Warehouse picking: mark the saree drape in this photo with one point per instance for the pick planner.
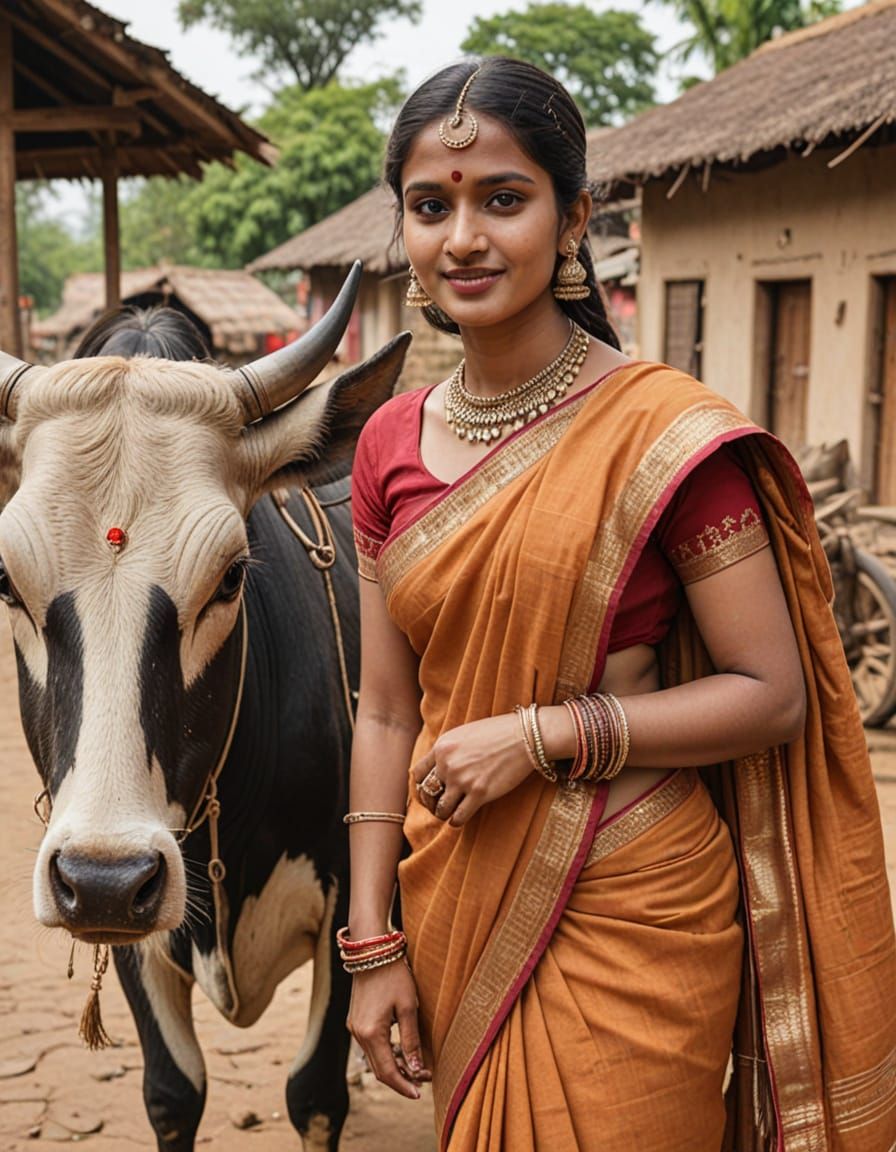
(519, 926)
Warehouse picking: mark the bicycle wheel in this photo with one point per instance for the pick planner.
(865, 609)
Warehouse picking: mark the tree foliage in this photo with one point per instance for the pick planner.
(331, 149)
(48, 252)
(725, 31)
(607, 60)
(307, 40)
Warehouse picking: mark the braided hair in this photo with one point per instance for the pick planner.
(548, 127)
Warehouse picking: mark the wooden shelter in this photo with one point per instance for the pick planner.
(239, 317)
(79, 98)
(768, 256)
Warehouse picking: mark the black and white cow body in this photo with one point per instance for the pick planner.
(130, 666)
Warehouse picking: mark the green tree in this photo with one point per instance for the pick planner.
(48, 253)
(725, 31)
(331, 149)
(157, 222)
(607, 60)
(307, 39)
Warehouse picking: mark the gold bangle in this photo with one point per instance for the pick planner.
(546, 769)
(365, 817)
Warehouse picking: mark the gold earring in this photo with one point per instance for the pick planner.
(571, 275)
(416, 295)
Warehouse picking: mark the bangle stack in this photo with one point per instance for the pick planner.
(372, 952)
(602, 736)
(532, 738)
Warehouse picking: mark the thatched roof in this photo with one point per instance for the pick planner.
(234, 306)
(828, 84)
(362, 230)
(80, 79)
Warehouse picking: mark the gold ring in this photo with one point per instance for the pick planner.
(431, 785)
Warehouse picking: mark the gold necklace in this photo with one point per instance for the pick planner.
(485, 418)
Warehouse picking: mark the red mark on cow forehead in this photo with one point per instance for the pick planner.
(116, 538)
(457, 176)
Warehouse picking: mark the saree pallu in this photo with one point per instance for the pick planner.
(506, 588)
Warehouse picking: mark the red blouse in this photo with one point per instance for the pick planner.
(712, 521)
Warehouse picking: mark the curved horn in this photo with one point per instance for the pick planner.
(275, 379)
(12, 372)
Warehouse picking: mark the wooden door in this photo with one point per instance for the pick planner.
(885, 478)
(683, 343)
(788, 393)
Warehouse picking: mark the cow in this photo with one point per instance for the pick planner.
(181, 688)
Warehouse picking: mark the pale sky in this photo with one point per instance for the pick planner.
(208, 59)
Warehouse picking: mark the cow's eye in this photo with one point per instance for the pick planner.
(8, 592)
(232, 583)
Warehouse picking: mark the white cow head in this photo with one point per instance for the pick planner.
(175, 455)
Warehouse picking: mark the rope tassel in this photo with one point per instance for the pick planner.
(91, 1029)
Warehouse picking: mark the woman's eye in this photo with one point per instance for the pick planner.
(506, 199)
(8, 592)
(429, 208)
(232, 582)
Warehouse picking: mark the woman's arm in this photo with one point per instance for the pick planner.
(386, 728)
(755, 700)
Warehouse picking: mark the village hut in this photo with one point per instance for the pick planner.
(238, 316)
(768, 252)
(365, 230)
(81, 99)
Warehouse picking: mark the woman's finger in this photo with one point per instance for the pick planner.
(466, 808)
(385, 1067)
(409, 1035)
(447, 803)
(424, 766)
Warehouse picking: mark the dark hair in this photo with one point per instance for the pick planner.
(546, 124)
(164, 333)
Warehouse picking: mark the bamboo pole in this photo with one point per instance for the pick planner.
(10, 330)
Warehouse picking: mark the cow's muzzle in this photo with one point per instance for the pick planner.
(113, 901)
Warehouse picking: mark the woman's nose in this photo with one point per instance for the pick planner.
(465, 236)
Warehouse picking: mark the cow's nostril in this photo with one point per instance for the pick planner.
(150, 892)
(64, 893)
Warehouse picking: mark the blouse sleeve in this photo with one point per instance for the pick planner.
(713, 521)
(370, 521)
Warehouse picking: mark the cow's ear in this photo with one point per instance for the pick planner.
(312, 441)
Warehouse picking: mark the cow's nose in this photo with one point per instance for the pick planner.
(101, 895)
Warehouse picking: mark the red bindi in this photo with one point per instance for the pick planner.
(457, 176)
(116, 538)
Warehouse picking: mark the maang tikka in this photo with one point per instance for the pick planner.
(416, 296)
(572, 276)
(461, 129)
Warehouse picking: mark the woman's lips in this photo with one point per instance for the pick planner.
(472, 283)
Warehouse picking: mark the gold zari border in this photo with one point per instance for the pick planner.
(643, 815)
(770, 874)
(865, 1097)
(460, 505)
(719, 546)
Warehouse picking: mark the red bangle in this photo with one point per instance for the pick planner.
(348, 945)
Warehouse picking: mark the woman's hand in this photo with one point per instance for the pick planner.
(476, 763)
(379, 998)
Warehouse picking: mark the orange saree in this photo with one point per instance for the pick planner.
(579, 982)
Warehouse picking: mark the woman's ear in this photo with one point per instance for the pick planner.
(575, 220)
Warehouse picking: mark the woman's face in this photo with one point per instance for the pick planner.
(481, 225)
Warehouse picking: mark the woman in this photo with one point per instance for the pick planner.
(586, 576)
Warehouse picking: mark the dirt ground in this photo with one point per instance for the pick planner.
(53, 1091)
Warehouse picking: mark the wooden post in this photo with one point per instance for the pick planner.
(111, 237)
(10, 331)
